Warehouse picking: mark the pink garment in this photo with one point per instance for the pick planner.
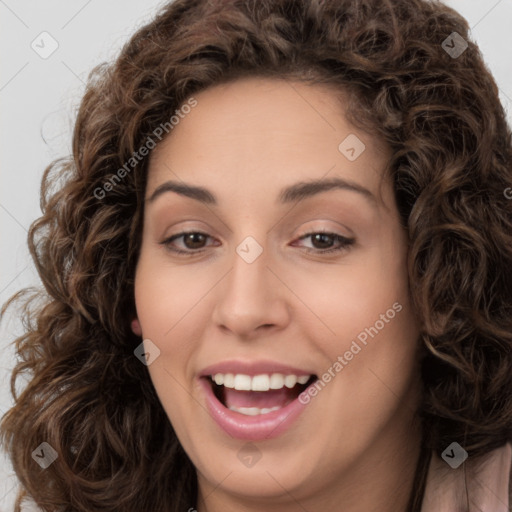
(488, 485)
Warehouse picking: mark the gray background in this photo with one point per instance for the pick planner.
(38, 98)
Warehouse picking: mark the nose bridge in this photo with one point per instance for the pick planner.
(249, 297)
(250, 271)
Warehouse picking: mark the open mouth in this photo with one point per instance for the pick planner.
(259, 394)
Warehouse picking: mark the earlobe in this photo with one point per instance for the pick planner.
(136, 328)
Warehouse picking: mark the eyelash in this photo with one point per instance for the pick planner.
(344, 242)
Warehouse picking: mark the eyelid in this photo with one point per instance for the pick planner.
(344, 240)
(167, 242)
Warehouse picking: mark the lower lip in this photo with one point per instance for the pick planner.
(254, 428)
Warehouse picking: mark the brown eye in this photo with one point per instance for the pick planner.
(325, 240)
(322, 242)
(193, 241)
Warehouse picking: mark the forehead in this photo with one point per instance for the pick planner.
(259, 133)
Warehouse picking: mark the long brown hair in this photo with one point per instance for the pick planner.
(92, 400)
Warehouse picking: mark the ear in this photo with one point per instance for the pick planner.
(136, 328)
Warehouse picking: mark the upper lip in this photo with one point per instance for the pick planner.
(253, 368)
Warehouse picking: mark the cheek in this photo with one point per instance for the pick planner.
(380, 351)
(360, 310)
(170, 310)
(343, 299)
(168, 306)
(167, 295)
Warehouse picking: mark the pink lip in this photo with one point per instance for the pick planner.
(253, 368)
(254, 428)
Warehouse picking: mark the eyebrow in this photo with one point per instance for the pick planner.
(295, 192)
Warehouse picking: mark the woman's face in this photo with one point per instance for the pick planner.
(256, 301)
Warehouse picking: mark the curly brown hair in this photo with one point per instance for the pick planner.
(92, 400)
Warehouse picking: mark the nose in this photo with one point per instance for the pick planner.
(251, 299)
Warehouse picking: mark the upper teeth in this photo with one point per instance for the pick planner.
(258, 382)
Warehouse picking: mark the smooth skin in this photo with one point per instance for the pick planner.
(356, 445)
